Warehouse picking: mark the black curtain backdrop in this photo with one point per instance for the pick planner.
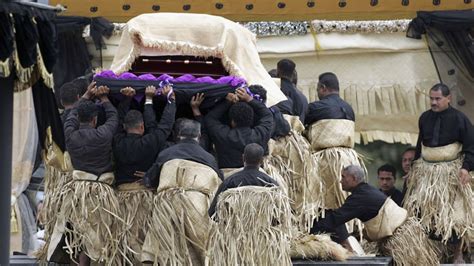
(450, 38)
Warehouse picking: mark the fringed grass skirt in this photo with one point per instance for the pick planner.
(290, 158)
(136, 209)
(91, 209)
(253, 228)
(330, 163)
(54, 183)
(436, 196)
(179, 228)
(409, 245)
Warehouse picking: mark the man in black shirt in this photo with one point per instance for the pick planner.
(330, 105)
(249, 176)
(90, 148)
(363, 203)
(387, 176)
(230, 140)
(444, 157)
(397, 233)
(136, 149)
(286, 72)
(186, 148)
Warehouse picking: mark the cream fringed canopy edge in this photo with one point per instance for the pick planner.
(197, 35)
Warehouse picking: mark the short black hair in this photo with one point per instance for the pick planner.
(189, 129)
(86, 111)
(286, 68)
(132, 119)
(242, 114)
(413, 149)
(329, 80)
(253, 154)
(261, 91)
(273, 73)
(81, 84)
(69, 93)
(441, 87)
(387, 168)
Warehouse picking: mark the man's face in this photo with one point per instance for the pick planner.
(386, 180)
(407, 158)
(439, 102)
(347, 181)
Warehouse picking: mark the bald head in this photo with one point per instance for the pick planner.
(253, 155)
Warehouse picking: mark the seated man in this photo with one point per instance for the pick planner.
(249, 176)
(187, 176)
(89, 204)
(387, 176)
(134, 152)
(230, 140)
(384, 221)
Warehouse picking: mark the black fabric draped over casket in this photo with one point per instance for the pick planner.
(214, 93)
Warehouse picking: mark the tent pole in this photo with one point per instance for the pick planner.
(6, 131)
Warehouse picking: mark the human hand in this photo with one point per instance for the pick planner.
(102, 92)
(464, 176)
(197, 100)
(150, 92)
(128, 91)
(243, 95)
(166, 90)
(91, 91)
(232, 97)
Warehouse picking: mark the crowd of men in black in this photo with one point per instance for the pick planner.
(135, 145)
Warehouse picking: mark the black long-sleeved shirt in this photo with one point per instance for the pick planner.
(395, 194)
(249, 176)
(133, 152)
(281, 127)
(364, 203)
(454, 127)
(186, 149)
(329, 107)
(230, 142)
(91, 148)
(300, 103)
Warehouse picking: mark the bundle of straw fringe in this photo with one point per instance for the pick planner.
(92, 210)
(436, 196)
(136, 209)
(410, 245)
(253, 228)
(290, 158)
(178, 231)
(55, 181)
